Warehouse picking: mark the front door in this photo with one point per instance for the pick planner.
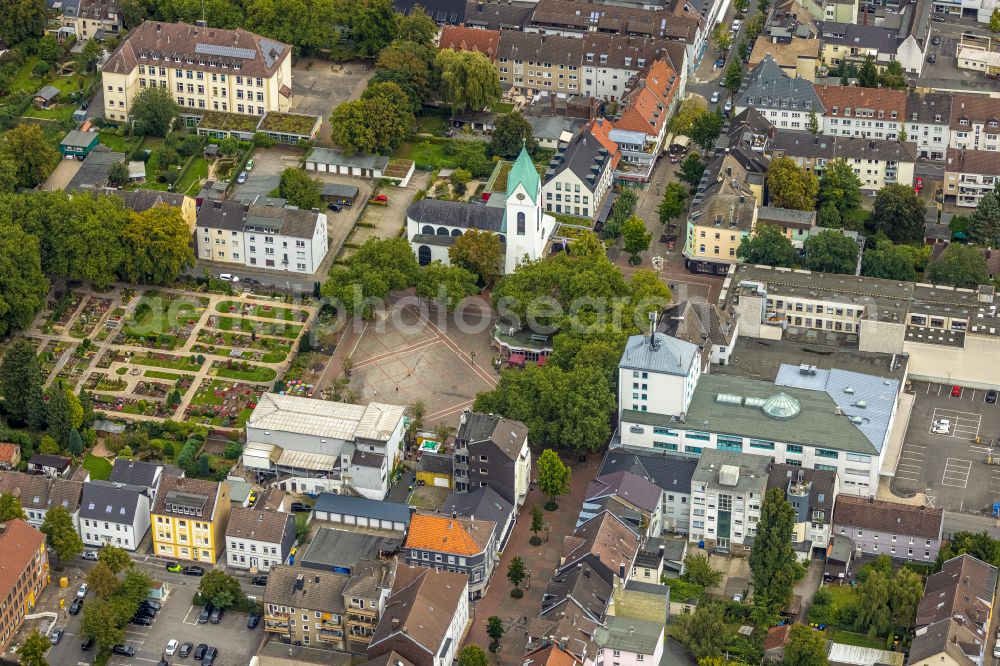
(253, 562)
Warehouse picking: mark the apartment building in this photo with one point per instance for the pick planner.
(462, 545)
(872, 113)
(581, 172)
(928, 118)
(189, 519)
(877, 527)
(642, 127)
(634, 499)
(811, 492)
(671, 474)
(611, 62)
(262, 236)
(22, 578)
(138, 473)
(788, 103)
(38, 494)
(851, 42)
(948, 335)
(531, 64)
(727, 490)
(975, 123)
(969, 175)
(425, 617)
(114, 514)
(306, 607)
(605, 544)
(461, 38)
(629, 641)
(206, 69)
(258, 539)
(364, 597)
(876, 162)
(91, 19)
(656, 370)
(492, 451)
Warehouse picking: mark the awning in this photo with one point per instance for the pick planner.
(516, 359)
(541, 360)
(318, 462)
(285, 91)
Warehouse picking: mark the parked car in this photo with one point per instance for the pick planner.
(249, 165)
(715, 97)
(253, 620)
(720, 63)
(935, 40)
(56, 635)
(173, 566)
(956, 391)
(991, 398)
(152, 603)
(88, 644)
(259, 580)
(251, 281)
(379, 199)
(334, 207)
(82, 592)
(918, 184)
(937, 18)
(124, 650)
(228, 277)
(91, 555)
(171, 647)
(728, 107)
(298, 507)
(205, 612)
(194, 571)
(211, 654)
(185, 650)
(142, 620)
(76, 606)
(199, 652)
(216, 616)
(242, 178)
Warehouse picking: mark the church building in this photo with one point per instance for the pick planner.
(518, 218)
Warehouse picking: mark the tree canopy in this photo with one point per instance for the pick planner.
(959, 266)
(60, 533)
(446, 284)
(154, 111)
(377, 123)
(21, 20)
(511, 132)
(157, 247)
(840, 191)
(479, 252)
(553, 474)
(806, 647)
(33, 158)
(469, 81)
(21, 381)
(673, 203)
(984, 227)
(767, 246)
(898, 213)
(885, 259)
(831, 252)
(791, 186)
(300, 189)
(23, 289)
(377, 268)
(772, 560)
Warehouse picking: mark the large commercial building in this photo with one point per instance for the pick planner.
(206, 69)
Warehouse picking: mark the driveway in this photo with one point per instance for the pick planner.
(268, 163)
(806, 588)
(63, 173)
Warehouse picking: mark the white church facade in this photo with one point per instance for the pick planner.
(518, 218)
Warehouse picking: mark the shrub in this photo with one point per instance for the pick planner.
(517, 593)
(41, 68)
(232, 451)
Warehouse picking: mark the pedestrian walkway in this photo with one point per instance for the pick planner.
(541, 563)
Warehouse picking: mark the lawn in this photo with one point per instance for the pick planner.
(116, 143)
(159, 374)
(290, 331)
(59, 112)
(852, 638)
(249, 373)
(435, 125)
(175, 363)
(99, 468)
(191, 180)
(428, 155)
(502, 107)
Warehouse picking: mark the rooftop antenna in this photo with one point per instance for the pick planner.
(653, 343)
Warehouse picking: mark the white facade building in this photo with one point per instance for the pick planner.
(257, 539)
(727, 490)
(657, 373)
(113, 514)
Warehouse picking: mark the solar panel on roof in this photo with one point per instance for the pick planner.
(228, 51)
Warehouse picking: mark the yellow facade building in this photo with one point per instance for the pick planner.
(189, 519)
(206, 69)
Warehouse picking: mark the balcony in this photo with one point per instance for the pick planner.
(276, 624)
(367, 620)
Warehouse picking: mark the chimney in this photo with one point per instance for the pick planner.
(621, 570)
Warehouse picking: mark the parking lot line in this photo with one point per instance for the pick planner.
(185, 620)
(956, 473)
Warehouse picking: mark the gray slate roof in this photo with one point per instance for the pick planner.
(112, 502)
(93, 173)
(506, 434)
(360, 506)
(805, 145)
(483, 503)
(140, 200)
(78, 139)
(48, 93)
(321, 590)
(670, 473)
(497, 15)
(584, 156)
(671, 356)
(768, 87)
(632, 488)
(925, 106)
(134, 472)
(856, 36)
(620, 633)
(457, 214)
(285, 221)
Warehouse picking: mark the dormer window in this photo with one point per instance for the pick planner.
(993, 123)
(881, 114)
(963, 121)
(913, 116)
(835, 110)
(847, 111)
(893, 115)
(937, 117)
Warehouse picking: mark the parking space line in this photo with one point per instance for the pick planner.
(956, 473)
(185, 620)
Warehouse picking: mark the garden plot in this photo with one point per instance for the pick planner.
(162, 321)
(271, 350)
(242, 370)
(77, 364)
(146, 407)
(240, 324)
(89, 319)
(114, 319)
(169, 361)
(262, 310)
(50, 353)
(58, 312)
(222, 403)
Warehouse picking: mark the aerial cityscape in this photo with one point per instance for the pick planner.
(499, 332)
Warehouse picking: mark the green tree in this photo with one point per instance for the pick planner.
(299, 189)
(959, 266)
(704, 631)
(768, 246)
(553, 476)
(831, 252)
(154, 111)
(995, 20)
(706, 128)
(898, 213)
(60, 533)
(839, 187)
(23, 289)
(812, 125)
(479, 252)
(697, 570)
(511, 132)
(691, 170)
(75, 445)
(472, 655)
(157, 243)
(459, 178)
(469, 81)
(977, 544)
(445, 283)
(868, 73)
(101, 622)
(884, 259)
(417, 27)
(378, 267)
(905, 593)
(118, 174)
(684, 118)
(636, 238)
(8, 174)
(22, 20)
(21, 382)
(874, 614)
(734, 74)
(772, 560)
(10, 508)
(494, 629)
(204, 466)
(377, 123)
(221, 589)
(102, 580)
(674, 202)
(516, 571)
(806, 647)
(791, 186)
(33, 156)
(893, 77)
(984, 227)
(722, 37)
(58, 418)
(116, 558)
(537, 520)
(32, 651)
(86, 59)
(373, 25)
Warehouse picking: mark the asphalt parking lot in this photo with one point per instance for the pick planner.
(948, 463)
(266, 173)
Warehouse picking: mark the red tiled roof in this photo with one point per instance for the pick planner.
(777, 637)
(974, 108)
(646, 106)
(9, 452)
(19, 543)
(600, 129)
(462, 536)
(849, 97)
(461, 38)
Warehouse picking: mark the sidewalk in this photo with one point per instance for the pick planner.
(540, 562)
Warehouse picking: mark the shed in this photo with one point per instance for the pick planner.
(136, 171)
(435, 470)
(329, 160)
(45, 97)
(109, 427)
(79, 115)
(211, 150)
(361, 512)
(344, 195)
(78, 144)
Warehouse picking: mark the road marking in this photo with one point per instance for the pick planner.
(956, 473)
(185, 620)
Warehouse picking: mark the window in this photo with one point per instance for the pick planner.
(793, 448)
(826, 453)
(520, 224)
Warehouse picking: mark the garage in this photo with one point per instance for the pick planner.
(361, 512)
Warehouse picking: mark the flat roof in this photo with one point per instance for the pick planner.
(762, 359)
(322, 418)
(339, 548)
